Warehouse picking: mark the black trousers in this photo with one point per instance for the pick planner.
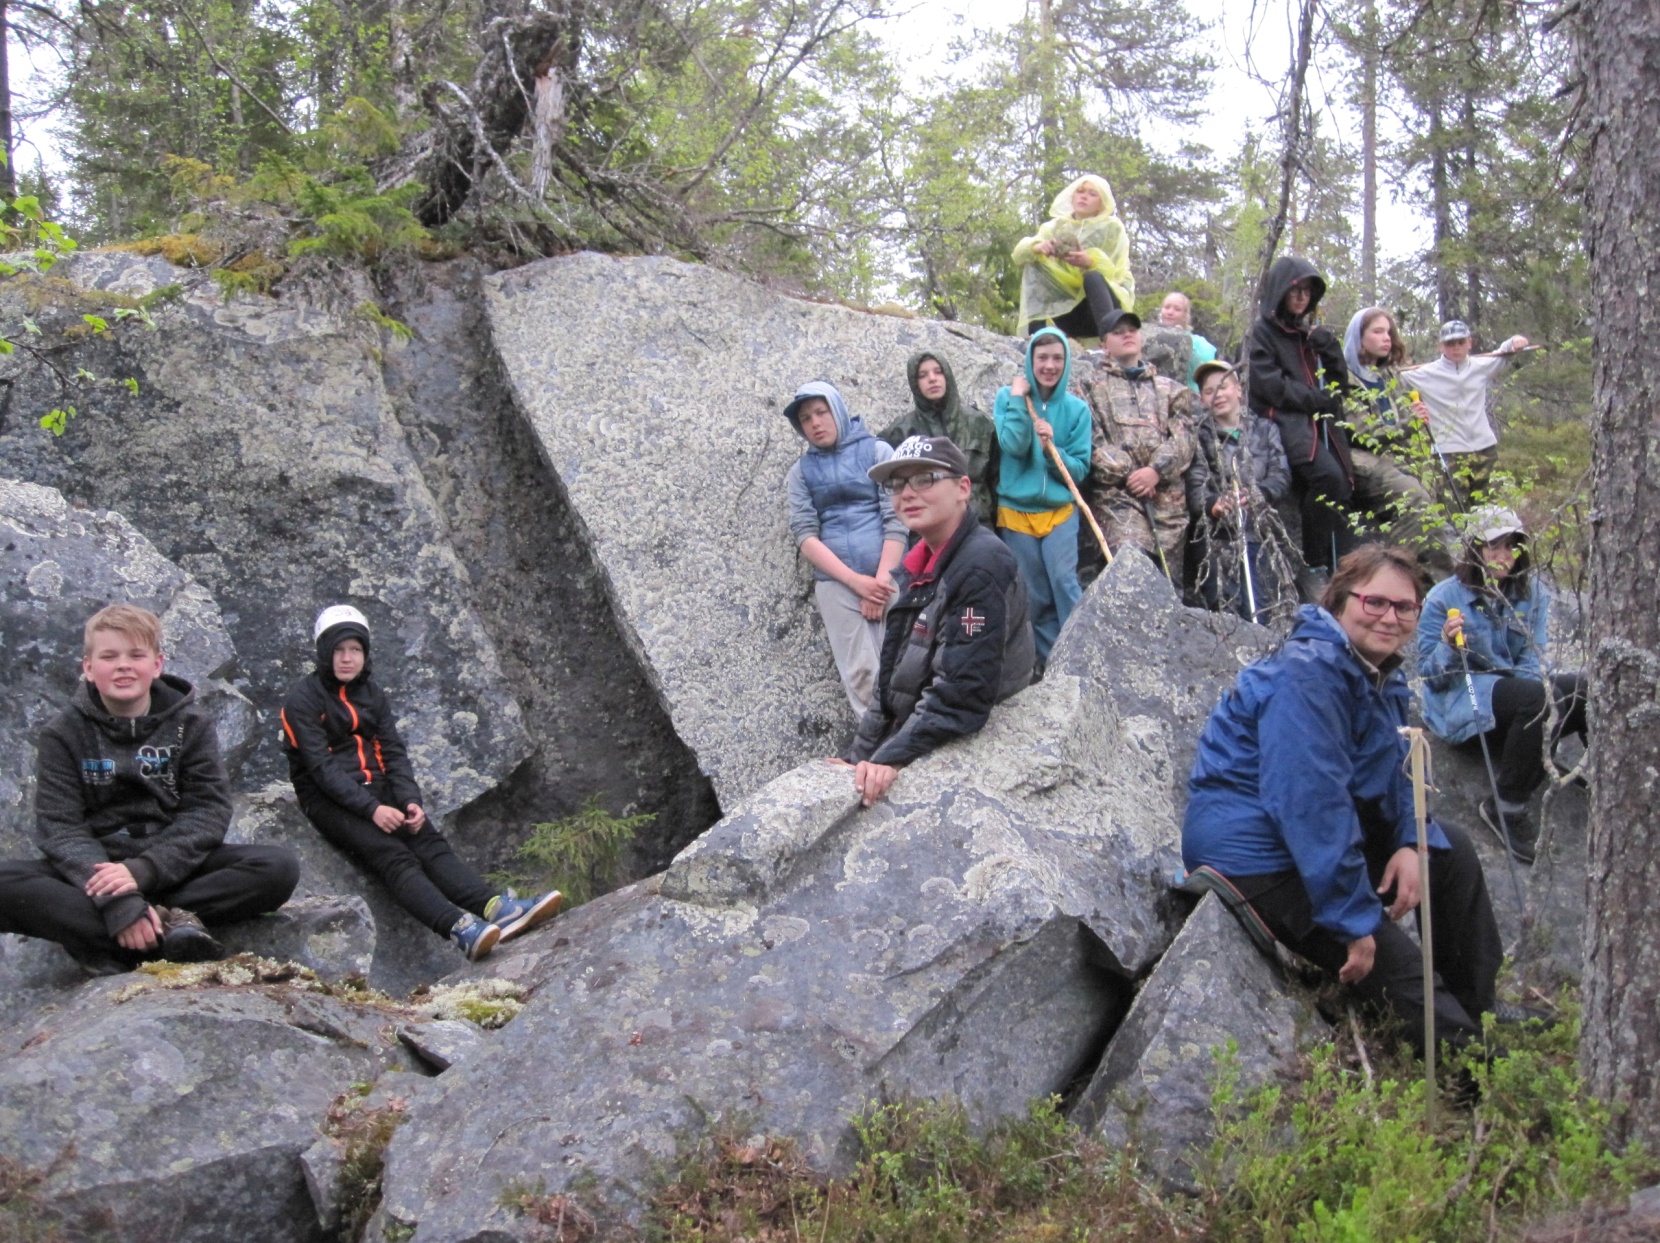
(1323, 493)
(233, 883)
(1518, 736)
(1468, 951)
(1085, 319)
(426, 877)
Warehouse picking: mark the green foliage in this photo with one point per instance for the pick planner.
(924, 1176)
(1345, 1157)
(400, 331)
(1339, 1156)
(362, 1134)
(580, 855)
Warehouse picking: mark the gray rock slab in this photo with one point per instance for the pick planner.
(262, 456)
(598, 727)
(59, 564)
(973, 935)
(1213, 987)
(1540, 909)
(443, 1043)
(183, 1114)
(333, 935)
(674, 467)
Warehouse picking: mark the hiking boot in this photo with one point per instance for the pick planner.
(1510, 1012)
(515, 915)
(184, 939)
(474, 936)
(1523, 836)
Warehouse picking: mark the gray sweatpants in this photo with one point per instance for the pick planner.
(855, 642)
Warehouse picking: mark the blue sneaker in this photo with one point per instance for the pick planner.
(475, 936)
(516, 915)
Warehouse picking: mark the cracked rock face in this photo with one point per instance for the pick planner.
(262, 456)
(665, 429)
(1155, 1080)
(973, 935)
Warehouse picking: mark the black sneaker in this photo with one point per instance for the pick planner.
(184, 939)
(1523, 836)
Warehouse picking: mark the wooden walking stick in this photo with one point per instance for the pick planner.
(1077, 496)
(1418, 756)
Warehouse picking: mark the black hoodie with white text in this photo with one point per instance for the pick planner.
(147, 791)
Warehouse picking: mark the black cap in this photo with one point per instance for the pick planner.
(922, 451)
(1116, 320)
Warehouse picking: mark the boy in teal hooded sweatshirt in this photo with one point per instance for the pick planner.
(1035, 513)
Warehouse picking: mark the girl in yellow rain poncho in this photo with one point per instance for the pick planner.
(1076, 271)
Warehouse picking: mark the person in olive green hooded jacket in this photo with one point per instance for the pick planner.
(938, 410)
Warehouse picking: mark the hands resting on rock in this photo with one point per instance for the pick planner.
(870, 780)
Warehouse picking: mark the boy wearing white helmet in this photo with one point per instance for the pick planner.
(352, 775)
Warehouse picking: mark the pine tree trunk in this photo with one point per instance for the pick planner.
(1620, 1042)
(1472, 269)
(1369, 159)
(8, 174)
(1049, 124)
(1441, 214)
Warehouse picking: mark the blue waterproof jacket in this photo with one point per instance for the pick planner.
(830, 491)
(1026, 478)
(1502, 638)
(1298, 765)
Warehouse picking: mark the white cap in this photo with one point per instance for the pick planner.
(335, 615)
(1492, 522)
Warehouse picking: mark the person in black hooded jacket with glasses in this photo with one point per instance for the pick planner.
(1298, 378)
(354, 782)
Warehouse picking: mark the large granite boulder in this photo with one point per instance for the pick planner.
(159, 1112)
(262, 456)
(1215, 1005)
(973, 935)
(655, 391)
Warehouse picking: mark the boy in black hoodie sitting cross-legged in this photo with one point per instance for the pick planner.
(356, 786)
(131, 808)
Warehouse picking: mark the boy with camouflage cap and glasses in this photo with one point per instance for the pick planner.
(958, 639)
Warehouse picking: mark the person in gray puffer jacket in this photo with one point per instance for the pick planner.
(131, 809)
(845, 529)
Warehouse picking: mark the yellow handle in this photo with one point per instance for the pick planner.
(1459, 637)
(1412, 396)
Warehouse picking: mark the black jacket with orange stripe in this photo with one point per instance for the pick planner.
(343, 744)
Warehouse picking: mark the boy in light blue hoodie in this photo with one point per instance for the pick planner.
(1035, 513)
(847, 531)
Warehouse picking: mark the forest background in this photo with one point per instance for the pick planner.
(802, 142)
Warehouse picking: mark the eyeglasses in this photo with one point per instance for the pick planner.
(1378, 606)
(921, 481)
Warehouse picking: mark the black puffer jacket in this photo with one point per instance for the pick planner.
(148, 791)
(957, 642)
(343, 744)
(1293, 366)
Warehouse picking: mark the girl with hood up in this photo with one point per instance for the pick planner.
(1075, 272)
(1388, 424)
(1298, 378)
(354, 782)
(1035, 513)
(1503, 618)
(846, 530)
(938, 410)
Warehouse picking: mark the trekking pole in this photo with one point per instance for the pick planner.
(1418, 756)
(1244, 551)
(1487, 758)
(1153, 530)
(1077, 496)
(1446, 467)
